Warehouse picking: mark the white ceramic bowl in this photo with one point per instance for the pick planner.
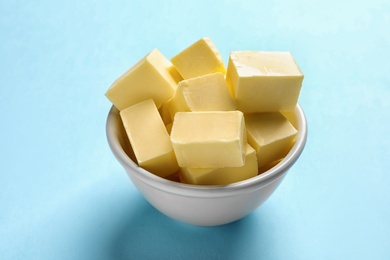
(197, 204)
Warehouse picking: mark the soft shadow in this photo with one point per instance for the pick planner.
(148, 234)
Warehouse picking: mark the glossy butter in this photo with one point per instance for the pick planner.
(201, 58)
(209, 139)
(152, 77)
(271, 135)
(222, 176)
(203, 93)
(149, 138)
(264, 81)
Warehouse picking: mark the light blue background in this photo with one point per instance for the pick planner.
(64, 196)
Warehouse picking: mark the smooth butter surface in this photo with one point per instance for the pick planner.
(201, 58)
(264, 81)
(209, 139)
(203, 93)
(222, 176)
(152, 77)
(149, 138)
(271, 135)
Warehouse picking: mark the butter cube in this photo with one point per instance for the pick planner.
(222, 176)
(264, 81)
(204, 93)
(149, 138)
(271, 135)
(152, 77)
(201, 58)
(209, 139)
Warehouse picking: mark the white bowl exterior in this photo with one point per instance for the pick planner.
(204, 211)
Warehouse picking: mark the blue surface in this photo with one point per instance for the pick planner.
(64, 196)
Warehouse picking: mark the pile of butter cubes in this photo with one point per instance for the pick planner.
(193, 120)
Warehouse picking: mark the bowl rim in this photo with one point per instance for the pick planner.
(254, 183)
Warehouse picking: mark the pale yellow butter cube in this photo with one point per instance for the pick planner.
(202, 57)
(152, 77)
(222, 176)
(209, 139)
(271, 135)
(149, 138)
(264, 81)
(203, 93)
